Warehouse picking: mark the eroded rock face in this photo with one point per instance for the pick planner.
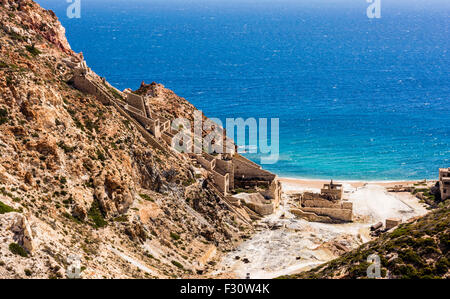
(136, 232)
(38, 21)
(23, 233)
(62, 150)
(113, 193)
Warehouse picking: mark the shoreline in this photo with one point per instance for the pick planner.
(318, 183)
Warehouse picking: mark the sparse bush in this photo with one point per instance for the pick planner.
(123, 218)
(96, 215)
(178, 265)
(3, 116)
(65, 148)
(442, 266)
(146, 197)
(33, 51)
(175, 236)
(5, 208)
(101, 156)
(170, 174)
(188, 182)
(17, 250)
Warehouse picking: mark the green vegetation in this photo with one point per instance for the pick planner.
(416, 250)
(10, 195)
(430, 196)
(5, 208)
(146, 197)
(178, 265)
(3, 116)
(96, 215)
(114, 92)
(123, 218)
(17, 250)
(175, 236)
(3, 65)
(101, 156)
(188, 182)
(33, 51)
(147, 254)
(17, 37)
(91, 125)
(67, 149)
(71, 217)
(264, 187)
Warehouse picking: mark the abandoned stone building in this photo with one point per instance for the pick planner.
(327, 206)
(444, 183)
(242, 183)
(332, 191)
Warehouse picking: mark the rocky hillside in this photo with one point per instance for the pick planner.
(78, 179)
(418, 249)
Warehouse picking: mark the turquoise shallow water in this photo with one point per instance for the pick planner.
(357, 99)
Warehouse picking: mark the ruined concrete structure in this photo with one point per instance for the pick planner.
(234, 173)
(333, 191)
(392, 222)
(400, 188)
(444, 183)
(230, 172)
(325, 207)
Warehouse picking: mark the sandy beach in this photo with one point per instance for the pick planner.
(292, 184)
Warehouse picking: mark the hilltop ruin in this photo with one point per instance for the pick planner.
(243, 184)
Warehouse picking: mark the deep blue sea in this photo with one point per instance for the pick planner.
(357, 98)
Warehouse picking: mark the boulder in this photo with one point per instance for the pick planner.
(23, 233)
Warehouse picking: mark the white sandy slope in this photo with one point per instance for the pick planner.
(374, 202)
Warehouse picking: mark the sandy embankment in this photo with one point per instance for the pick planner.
(286, 245)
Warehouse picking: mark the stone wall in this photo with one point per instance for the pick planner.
(320, 203)
(227, 166)
(222, 182)
(165, 124)
(244, 169)
(261, 209)
(149, 124)
(137, 102)
(336, 210)
(275, 192)
(336, 193)
(149, 138)
(257, 203)
(167, 137)
(207, 164)
(392, 222)
(83, 84)
(312, 217)
(339, 214)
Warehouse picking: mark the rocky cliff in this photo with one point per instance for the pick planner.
(79, 181)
